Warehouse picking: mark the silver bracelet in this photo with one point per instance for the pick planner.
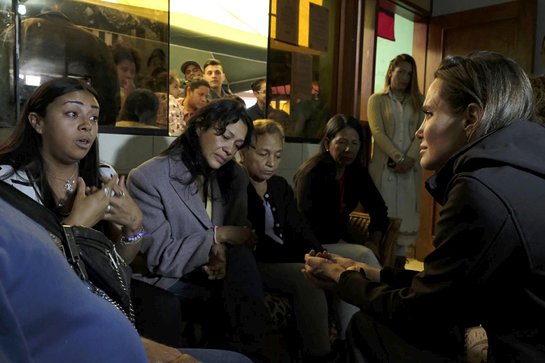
(132, 238)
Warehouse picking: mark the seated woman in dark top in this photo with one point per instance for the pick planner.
(329, 186)
(284, 238)
(480, 138)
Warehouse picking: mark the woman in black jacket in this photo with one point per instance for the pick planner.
(330, 185)
(488, 266)
(284, 238)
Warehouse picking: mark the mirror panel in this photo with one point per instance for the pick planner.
(234, 33)
(300, 66)
(161, 34)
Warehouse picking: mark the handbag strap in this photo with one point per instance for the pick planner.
(47, 220)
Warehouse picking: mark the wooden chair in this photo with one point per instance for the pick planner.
(358, 227)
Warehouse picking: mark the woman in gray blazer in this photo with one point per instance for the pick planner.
(193, 197)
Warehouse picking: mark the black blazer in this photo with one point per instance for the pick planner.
(289, 224)
(320, 200)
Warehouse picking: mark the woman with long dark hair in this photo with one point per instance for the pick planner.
(194, 201)
(52, 156)
(329, 186)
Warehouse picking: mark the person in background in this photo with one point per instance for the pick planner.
(156, 62)
(259, 89)
(191, 69)
(213, 73)
(139, 110)
(51, 44)
(284, 238)
(166, 86)
(309, 113)
(200, 247)
(196, 97)
(487, 154)
(127, 61)
(394, 115)
(174, 85)
(329, 186)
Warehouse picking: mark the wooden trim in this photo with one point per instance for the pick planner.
(420, 45)
(406, 9)
(525, 11)
(368, 59)
(349, 57)
(278, 45)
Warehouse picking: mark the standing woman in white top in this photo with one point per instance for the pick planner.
(394, 114)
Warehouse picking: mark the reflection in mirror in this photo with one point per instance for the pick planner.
(81, 39)
(233, 33)
(120, 48)
(300, 63)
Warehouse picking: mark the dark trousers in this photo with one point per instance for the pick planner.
(371, 341)
(232, 309)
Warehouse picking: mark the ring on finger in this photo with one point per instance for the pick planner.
(106, 191)
(120, 194)
(108, 208)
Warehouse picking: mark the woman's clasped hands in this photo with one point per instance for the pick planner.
(111, 202)
(324, 270)
(232, 235)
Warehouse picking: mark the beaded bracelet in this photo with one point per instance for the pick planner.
(133, 238)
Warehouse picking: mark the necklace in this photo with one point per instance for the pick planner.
(70, 183)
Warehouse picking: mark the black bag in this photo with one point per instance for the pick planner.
(90, 253)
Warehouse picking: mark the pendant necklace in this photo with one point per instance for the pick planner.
(70, 183)
(69, 187)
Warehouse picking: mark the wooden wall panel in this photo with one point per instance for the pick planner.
(508, 28)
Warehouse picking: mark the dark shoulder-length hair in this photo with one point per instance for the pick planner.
(22, 148)
(332, 128)
(218, 114)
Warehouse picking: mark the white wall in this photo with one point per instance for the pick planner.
(294, 155)
(386, 50)
(125, 152)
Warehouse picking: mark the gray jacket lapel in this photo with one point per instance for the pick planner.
(188, 193)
